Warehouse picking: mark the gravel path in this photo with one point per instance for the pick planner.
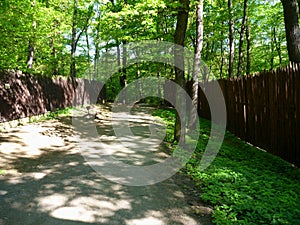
(47, 181)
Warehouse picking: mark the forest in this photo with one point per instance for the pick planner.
(67, 38)
(250, 48)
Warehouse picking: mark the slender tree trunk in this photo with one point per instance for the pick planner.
(76, 37)
(123, 78)
(222, 54)
(248, 37)
(242, 33)
(231, 39)
(30, 55)
(197, 62)
(31, 49)
(159, 94)
(88, 53)
(222, 59)
(181, 26)
(277, 45)
(97, 55)
(272, 58)
(54, 60)
(73, 40)
(97, 45)
(138, 82)
(291, 15)
(273, 46)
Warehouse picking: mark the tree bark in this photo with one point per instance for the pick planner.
(231, 39)
(123, 78)
(88, 53)
(291, 15)
(97, 43)
(242, 33)
(277, 45)
(73, 40)
(181, 26)
(75, 37)
(248, 37)
(197, 61)
(31, 49)
(222, 53)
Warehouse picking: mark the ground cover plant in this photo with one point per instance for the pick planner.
(244, 184)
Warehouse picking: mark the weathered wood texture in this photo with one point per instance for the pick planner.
(264, 110)
(23, 95)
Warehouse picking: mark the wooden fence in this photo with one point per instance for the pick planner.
(23, 95)
(263, 110)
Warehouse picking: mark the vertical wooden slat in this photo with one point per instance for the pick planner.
(257, 105)
(236, 107)
(297, 114)
(290, 112)
(266, 115)
(241, 107)
(272, 115)
(246, 108)
(232, 105)
(251, 123)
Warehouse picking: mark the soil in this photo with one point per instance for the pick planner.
(47, 181)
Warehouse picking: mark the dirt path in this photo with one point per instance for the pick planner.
(47, 181)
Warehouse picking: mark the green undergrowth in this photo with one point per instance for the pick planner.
(244, 184)
(52, 115)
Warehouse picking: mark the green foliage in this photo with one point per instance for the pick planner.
(263, 17)
(52, 115)
(105, 24)
(1, 172)
(168, 117)
(244, 184)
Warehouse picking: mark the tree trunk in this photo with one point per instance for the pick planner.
(96, 58)
(277, 45)
(242, 33)
(159, 95)
(290, 9)
(54, 60)
(231, 39)
(97, 45)
(248, 37)
(88, 53)
(222, 59)
(73, 40)
(273, 46)
(181, 26)
(222, 53)
(30, 57)
(197, 61)
(123, 78)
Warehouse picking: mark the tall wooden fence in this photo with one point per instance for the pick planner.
(263, 110)
(23, 95)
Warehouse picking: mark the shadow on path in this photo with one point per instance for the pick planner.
(48, 182)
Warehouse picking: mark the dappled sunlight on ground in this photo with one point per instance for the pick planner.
(47, 181)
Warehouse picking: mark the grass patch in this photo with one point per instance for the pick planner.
(168, 117)
(52, 115)
(244, 184)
